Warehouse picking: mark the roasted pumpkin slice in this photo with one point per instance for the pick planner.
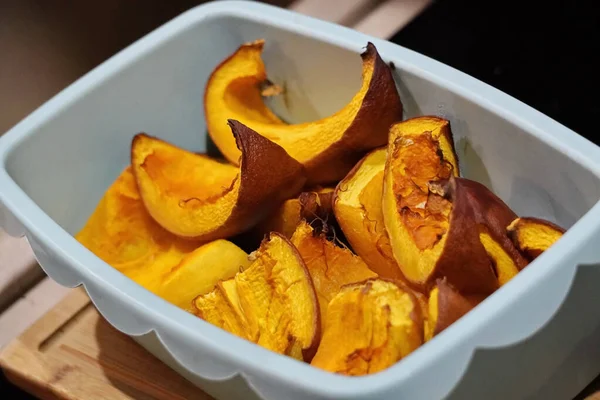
(435, 221)
(196, 197)
(121, 232)
(200, 271)
(271, 303)
(357, 208)
(329, 147)
(533, 236)
(369, 327)
(329, 265)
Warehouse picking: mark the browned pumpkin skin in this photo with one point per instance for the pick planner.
(370, 326)
(451, 305)
(464, 261)
(268, 176)
(489, 210)
(272, 176)
(381, 107)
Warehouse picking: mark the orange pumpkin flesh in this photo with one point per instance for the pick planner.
(533, 236)
(122, 233)
(369, 327)
(271, 303)
(357, 207)
(330, 266)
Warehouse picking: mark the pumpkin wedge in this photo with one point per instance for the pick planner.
(330, 266)
(533, 236)
(200, 271)
(369, 327)
(121, 232)
(271, 303)
(435, 220)
(357, 207)
(329, 147)
(198, 198)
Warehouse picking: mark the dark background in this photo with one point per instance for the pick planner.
(544, 53)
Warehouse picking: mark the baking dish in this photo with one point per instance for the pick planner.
(536, 337)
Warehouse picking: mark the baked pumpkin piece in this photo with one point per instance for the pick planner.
(309, 205)
(271, 303)
(435, 220)
(445, 306)
(357, 208)
(329, 147)
(121, 232)
(195, 197)
(533, 236)
(329, 265)
(200, 271)
(369, 327)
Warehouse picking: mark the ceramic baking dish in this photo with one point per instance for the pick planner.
(538, 336)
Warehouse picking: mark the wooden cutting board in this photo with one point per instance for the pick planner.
(73, 353)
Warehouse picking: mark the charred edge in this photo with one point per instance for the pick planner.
(370, 52)
(256, 44)
(235, 126)
(139, 136)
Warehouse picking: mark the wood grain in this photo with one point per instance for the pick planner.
(31, 306)
(73, 353)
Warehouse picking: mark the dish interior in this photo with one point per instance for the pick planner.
(67, 163)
